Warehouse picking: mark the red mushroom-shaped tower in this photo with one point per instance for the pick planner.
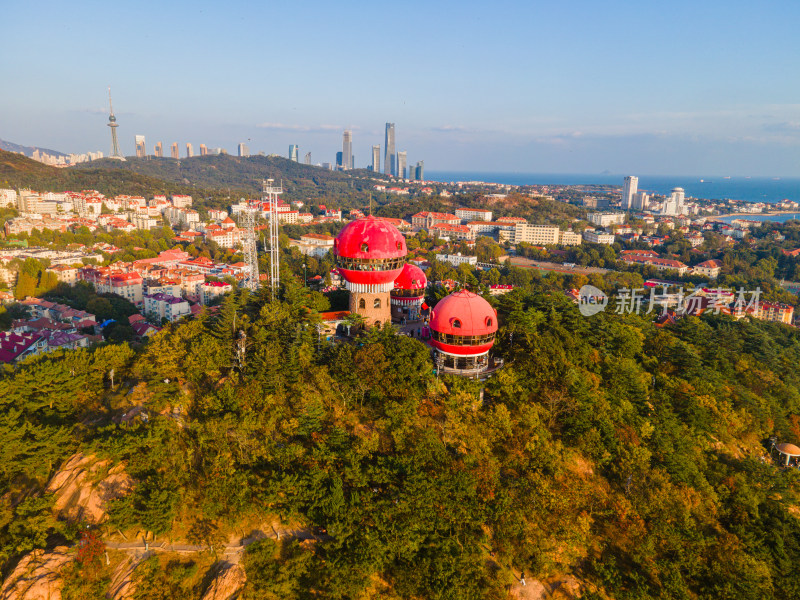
(370, 253)
(463, 326)
(408, 293)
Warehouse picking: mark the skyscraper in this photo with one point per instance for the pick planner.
(203, 150)
(347, 150)
(419, 175)
(339, 161)
(308, 158)
(189, 150)
(376, 159)
(158, 150)
(294, 153)
(402, 159)
(389, 157)
(244, 150)
(640, 200)
(629, 187)
(141, 152)
(175, 150)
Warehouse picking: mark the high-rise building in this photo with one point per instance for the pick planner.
(674, 205)
(141, 152)
(389, 156)
(402, 159)
(347, 150)
(294, 153)
(203, 150)
(629, 187)
(376, 159)
(112, 123)
(419, 174)
(175, 150)
(640, 200)
(158, 150)
(308, 158)
(189, 150)
(244, 150)
(339, 159)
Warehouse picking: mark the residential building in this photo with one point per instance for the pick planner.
(66, 274)
(451, 232)
(15, 347)
(473, 214)
(181, 200)
(212, 290)
(164, 306)
(389, 156)
(569, 238)
(709, 268)
(772, 311)
(457, 259)
(141, 151)
(424, 220)
(376, 159)
(347, 150)
(482, 227)
(243, 151)
(596, 203)
(598, 237)
(189, 151)
(606, 219)
(402, 160)
(539, 235)
(175, 153)
(630, 186)
(662, 264)
(674, 205)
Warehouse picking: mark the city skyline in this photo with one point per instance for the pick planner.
(710, 90)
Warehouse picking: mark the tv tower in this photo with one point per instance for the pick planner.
(112, 122)
(247, 222)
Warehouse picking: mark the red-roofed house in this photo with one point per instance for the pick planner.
(709, 268)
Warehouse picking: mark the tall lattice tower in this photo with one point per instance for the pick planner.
(247, 222)
(112, 122)
(269, 194)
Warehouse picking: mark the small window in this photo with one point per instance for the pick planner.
(456, 324)
(488, 321)
(376, 303)
(364, 247)
(362, 303)
(399, 246)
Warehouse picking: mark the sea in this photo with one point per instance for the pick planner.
(748, 189)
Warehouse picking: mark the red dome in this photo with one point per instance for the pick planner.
(463, 323)
(411, 278)
(370, 253)
(370, 238)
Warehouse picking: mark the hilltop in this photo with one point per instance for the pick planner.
(19, 171)
(245, 174)
(28, 150)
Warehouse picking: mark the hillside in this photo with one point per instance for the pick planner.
(245, 174)
(28, 150)
(18, 171)
(610, 455)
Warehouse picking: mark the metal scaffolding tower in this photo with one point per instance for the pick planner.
(269, 194)
(247, 222)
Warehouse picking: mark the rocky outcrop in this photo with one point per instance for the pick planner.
(37, 576)
(227, 585)
(84, 486)
(122, 587)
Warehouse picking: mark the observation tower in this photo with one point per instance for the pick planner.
(370, 253)
(463, 326)
(112, 123)
(408, 293)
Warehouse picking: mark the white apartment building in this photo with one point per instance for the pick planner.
(457, 259)
(473, 214)
(8, 198)
(606, 219)
(570, 238)
(539, 235)
(598, 237)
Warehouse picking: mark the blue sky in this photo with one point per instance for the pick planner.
(706, 88)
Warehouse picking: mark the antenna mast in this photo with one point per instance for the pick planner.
(270, 193)
(247, 221)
